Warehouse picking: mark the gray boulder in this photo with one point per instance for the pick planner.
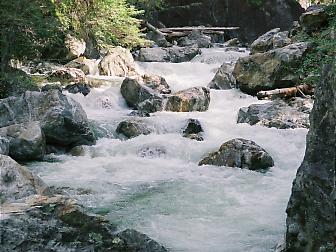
(223, 78)
(63, 121)
(314, 19)
(173, 54)
(76, 88)
(278, 114)
(311, 220)
(26, 141)
(133, 128)
(270, 70)
(192, 99)
(240, 153)
(17, 181)
(195, 38)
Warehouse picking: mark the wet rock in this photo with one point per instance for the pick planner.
(240, 153)
(173, 54)
(26, 141)
(88, 66)
(133, 128)
(4, 146)
(192, 99)
(311, 208)
(223, 78)
(155, 82)
(17, 181)
(67, 75)
(139, 113)
(75, 47)
(63, 121)
(270, 70)
(152, 152)
(48, 87)
(76, 88)
(118, 62)
(314, 19)
(193, 130)
(195, 38)
(278, 114)
(141, 97)
(58, 223)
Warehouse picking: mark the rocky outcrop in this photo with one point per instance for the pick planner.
(270, 40)
(270, 70)
(63, 121)
(223, 78)
(193, 130)
(173, 54)
(26, 141)
(133, 128)
(311, 221)
(278, 114)
(17, 181)
(240, 153)
(118, 62)
(192, 99)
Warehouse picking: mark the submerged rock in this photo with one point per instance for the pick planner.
(223, 78)
(270, 70)
(133, 128)
(118, 62)
(278, 114)
(26, 141)
(193, 130)
(17, 181)
(240, 153)
(173, 54)
(192, 99)
(152, 152)
(63, 121)
(311, 220)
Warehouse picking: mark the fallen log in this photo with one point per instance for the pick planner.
(301, 90)
(153, 28)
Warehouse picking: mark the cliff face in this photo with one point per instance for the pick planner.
(252, 20)
(311, 221)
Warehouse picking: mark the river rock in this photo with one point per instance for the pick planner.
(192, 99)
(67, 75)
(311, 220)
(155, 82)
(26, 141)
(51, 86)
(195, 38)
(193, 130)
(270, 40)
(278, 114)
(63, 121)
(118, 62)
(240, 153)
(173, 54)
(88, 66)
(314, 18)
(141, 97)
(4, 146)
(270, 70)
(75, 47)
(17, 181)
(223, 78)
(57, 223)
(234, 42)
(133, 128)
(76, 88)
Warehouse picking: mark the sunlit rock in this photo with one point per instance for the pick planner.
(133, 128)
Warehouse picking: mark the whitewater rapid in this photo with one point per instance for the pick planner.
(153, 183)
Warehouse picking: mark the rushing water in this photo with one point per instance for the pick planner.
(153, 184)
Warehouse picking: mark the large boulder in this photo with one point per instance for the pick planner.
(74, 47)
(278, 114)
(133, 128)
(192, 99)
(173, 54)
(63, 121)
(240, 153)
(140, 96)
(26, 141)
(17, 181)
(118, 62)
(270, 70)
(314, 18)
(311, 220)
(270, 40)
(195, 38)
(223, 78)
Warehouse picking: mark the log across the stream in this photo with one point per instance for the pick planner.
(185, 31)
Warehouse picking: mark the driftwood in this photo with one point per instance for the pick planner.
(286, 92)
(153, 28)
